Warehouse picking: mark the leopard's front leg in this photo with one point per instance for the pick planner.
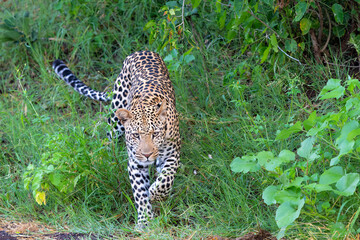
(140, 182)
(160, 189)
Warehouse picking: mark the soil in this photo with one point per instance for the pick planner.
(13, 230)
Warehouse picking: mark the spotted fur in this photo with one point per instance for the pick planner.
(143, 106)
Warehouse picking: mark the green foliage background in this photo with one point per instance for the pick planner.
(247, 76)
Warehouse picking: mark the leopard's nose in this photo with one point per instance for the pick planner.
(147, 155)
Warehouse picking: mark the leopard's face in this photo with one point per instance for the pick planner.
(145, 131)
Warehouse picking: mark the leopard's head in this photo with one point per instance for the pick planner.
(145, 129)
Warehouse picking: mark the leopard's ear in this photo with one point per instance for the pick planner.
(162, 110)
(123, 115)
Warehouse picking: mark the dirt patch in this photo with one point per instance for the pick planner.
(30, 231)
(13, 230)
(261, 235)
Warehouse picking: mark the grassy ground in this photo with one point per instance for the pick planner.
(40, 115)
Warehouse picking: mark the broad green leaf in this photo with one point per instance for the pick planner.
(245, 164)
(265, 54)
(331, 175)
(338, 13)
(189, 58)
(58, 180)
(300, 10)
(149, 24)
(353, 134)
(318, 187)
(286, 156)
(333, 89)
(305, 25)
(292, 194)
(290, 45)
(342, 143)
(310, 122)
(291, 130)
(269, 193)
(264, 157)
(272, 164)
(288, 212)
(37, 180)
(297, 182)
(306, 147)
(347, 184)
(238, 5)
(195, 3)
(274, 42)
(221, 20)
(218, 6)
(314, 131)
(281, 233)
(335, 93)
(352, 84)
(353, 107)
(168, 58)
(267, 160)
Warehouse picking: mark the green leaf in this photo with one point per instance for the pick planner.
(264, 157)
(318, 187)
(245, 164)
(342, 143)
(306, 147)
(274, 42)
(290, 45)
(269, 193)
(238, 5)
(288, 212)
(168, 58)
(347, 184)
(218, 6)
(58, 180)
(37, 180)
(305, 25)
(352, 84)
(353, 134)
(338, 13)
(333, 89)
(331, 175)
(195, 3)
(286, 156)
(265, 54)
(189, 58)
(292, 194)
(221, 20)
(300, 10)
(287, 132)
(310, 122)
(149, 24)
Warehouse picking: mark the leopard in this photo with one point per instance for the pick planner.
(143, 109)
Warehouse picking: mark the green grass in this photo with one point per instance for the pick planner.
(217, 123)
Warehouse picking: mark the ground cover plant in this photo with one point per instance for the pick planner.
(268, 98)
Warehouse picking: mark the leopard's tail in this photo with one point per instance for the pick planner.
(64, 73)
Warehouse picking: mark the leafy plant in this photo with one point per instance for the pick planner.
(17, 29)
(68, 160)
(312, 179)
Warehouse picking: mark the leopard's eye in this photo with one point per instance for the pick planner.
(136, 135)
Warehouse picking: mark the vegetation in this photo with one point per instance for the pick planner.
(268, 98)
